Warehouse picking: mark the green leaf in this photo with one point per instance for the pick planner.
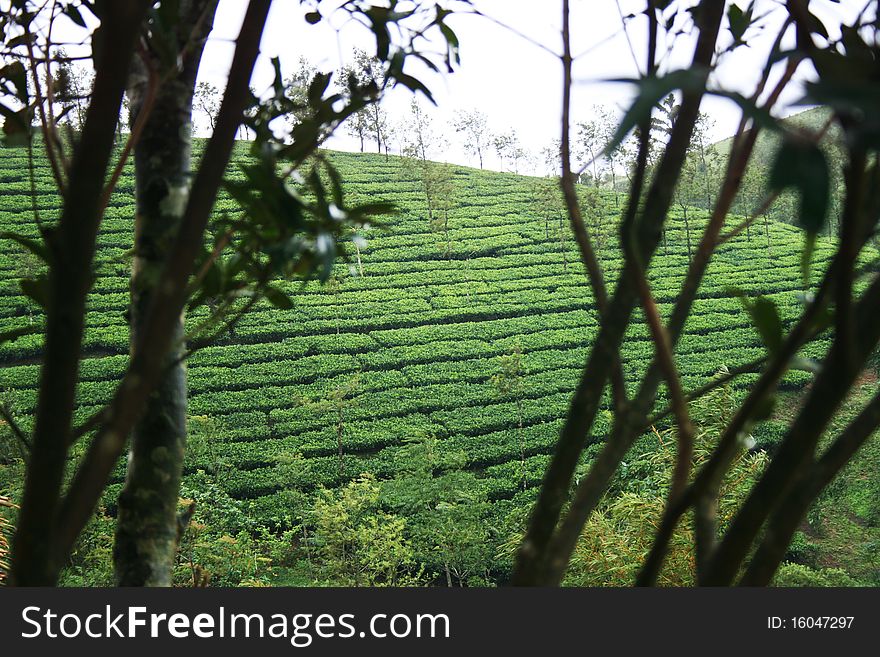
(765, 318)
(764, 408)
(318, 87)
(414, 84)
(800, 164)
(277, 298)
(652, 90)
(803, 364)
(336, 184)
(17, 130)
(374, 210)
(17, 75)
(35, 247)
(851, 95)
(760, 115)
(21, 40)
(36, 289)
(738, 21)
(73, 13)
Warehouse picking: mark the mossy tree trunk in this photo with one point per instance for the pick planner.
(147, 527)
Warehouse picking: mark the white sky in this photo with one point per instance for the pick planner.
(516, 83)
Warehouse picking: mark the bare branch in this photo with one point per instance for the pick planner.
(582, 236)
(73, 248)
(788, 516)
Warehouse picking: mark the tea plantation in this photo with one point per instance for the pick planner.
(415, 341)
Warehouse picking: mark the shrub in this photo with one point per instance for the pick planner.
(795, 574)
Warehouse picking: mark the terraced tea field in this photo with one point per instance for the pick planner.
(418, 337)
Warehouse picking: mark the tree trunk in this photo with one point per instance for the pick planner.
(147, 527)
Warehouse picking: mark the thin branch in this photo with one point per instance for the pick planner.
(714, 384)
(206, 266)
(707, 480)
(741, 152)
(787, 517)
(476, 12)
(632, 50)
(49, 137)
(13, 426)
(73, 249)
(795, 452)
(666, 360)
(582, 236)
(50, 89)
(544, 552)
(839, 370)
(201, 343)
(138, 128)
(770, 199)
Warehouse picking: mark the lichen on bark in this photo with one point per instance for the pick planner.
(146, 534)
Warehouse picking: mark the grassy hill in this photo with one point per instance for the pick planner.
(811, 120)
(417, 338)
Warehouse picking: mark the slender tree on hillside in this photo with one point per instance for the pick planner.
(700, 147)
(750, 202)
(442, 189)
(206, 101)
(550, 158)
(72, 87)
(590, 148)
(506, 145)
(607, 127)
(473, 126)
(372, 121)
(419, 135)
(684, 198)
(337, 403)
(297, 85)
(358, 126)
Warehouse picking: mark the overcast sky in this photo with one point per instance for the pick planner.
(504, 74)
(516, 83)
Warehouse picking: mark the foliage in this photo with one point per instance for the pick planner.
(446, 511)
(425, 334)
(6, 531)
(618, 536)
(795, 574)
(424, 338)
(360, 544)
(473, 125)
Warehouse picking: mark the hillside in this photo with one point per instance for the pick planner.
(811, 120)
(416, 339)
